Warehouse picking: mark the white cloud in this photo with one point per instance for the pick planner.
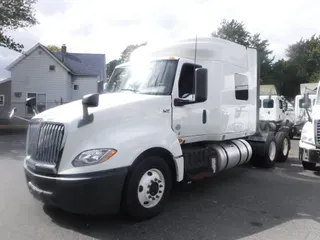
(104, 26)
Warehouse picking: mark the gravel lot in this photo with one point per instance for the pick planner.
(242, 203)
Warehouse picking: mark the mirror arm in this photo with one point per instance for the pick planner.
(21, 118)
(35, 110)
(181, 102)
(309, 117)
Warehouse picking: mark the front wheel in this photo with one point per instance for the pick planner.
(148, 188)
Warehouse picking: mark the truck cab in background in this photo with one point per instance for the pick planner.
(309, 144)
(300, 113)
(182, 112)
(273, 109)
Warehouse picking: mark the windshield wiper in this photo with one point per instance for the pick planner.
(129, 89)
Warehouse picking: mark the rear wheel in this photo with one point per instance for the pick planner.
(264, 153)
(147, 189)
(283, 146)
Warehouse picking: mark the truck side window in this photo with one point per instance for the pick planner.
(268, 103)
(186, 81)
(280, 104)
(241, 87)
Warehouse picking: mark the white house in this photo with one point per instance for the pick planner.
(54, 77)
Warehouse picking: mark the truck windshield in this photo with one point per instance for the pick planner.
(155, 77)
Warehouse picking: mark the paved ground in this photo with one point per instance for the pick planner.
(242, 203)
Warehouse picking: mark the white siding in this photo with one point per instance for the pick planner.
(32, 75)
(86, 85)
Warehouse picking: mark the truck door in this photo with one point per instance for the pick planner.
(268, 108)
(188, 120)
(280, 113)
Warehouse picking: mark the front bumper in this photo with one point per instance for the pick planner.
(309, 155)
(94, 193)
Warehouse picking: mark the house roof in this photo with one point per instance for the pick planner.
(81, 64)
(268, 89)
(5, 80)
(23, 56)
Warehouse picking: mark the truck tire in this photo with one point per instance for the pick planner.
(147, 188)
(292, 132)
(271, 126)
(308, 165)
(265, 153)
(283, 146)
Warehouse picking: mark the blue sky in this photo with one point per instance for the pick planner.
(104, 26)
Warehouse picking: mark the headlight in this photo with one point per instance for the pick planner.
(94, 156)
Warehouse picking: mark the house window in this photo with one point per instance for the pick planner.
(1, 100)
(41, 102)
(75, 87)
(52, 68)
(241, 87)
(186, 81)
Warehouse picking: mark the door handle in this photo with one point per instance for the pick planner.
(204, 116)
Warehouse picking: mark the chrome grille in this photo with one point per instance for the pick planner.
(45, 142)
(317, 131)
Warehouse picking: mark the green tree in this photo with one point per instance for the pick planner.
(284, 77)
(236, 31)
(53, 48)
(233, 31)
(125, 56)
(111, 66)
(126, 53)
(305, 56)
(15, 14)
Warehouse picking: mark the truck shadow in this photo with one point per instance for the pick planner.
(238, 203)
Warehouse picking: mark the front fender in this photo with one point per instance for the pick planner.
(307, 140)
(129, 141)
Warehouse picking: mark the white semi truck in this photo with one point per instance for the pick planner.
(273, 109)
(309, 144)
(301, 116)
(186, 112)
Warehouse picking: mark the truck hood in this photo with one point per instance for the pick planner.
(124, 104)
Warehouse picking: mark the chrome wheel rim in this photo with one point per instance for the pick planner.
(151, 188)
(272, 151)
(285, 146)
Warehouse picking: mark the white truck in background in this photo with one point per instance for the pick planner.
(309, 144)
(273, 108)
(184, 112)
(301, 116)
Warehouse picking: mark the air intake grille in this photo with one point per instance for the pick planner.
(44, 142)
